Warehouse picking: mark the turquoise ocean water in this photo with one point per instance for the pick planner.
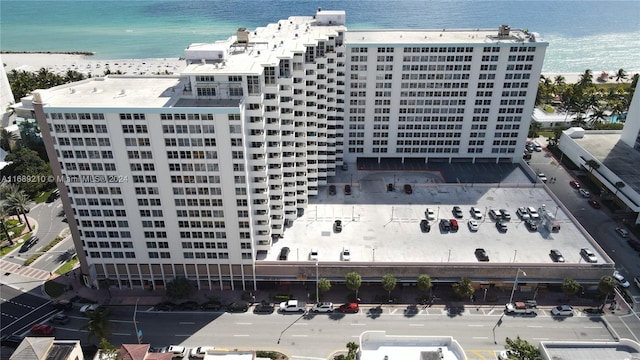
(599, 35)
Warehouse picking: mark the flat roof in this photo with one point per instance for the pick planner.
(372, 217)
(615, 154)
(625, 349)
(115, 92)
(440, 36)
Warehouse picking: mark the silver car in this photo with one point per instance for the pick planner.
(325, 307)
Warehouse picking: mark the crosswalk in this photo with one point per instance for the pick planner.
(8, 268)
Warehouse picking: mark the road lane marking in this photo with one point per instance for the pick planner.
(416, 324)
(540, 338)
(240, 335)
(244, 323)
(299, 335)
(186, 323)
(181, 335)
(534, 326)
(121, 334)
(356, 324)
(475, 325)
(480, 337)
(593, 327)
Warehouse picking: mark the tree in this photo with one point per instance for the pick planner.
(353, 282)
(534, 129)
(18, 201)
(8, 139)
(389, 283)
(424, 283)
(621, 74)
(592, 165)
(597, 116)
(107, 350)
(586, 78)
(522, 350)
(606, 286)
(99, 324)
(570, 287)
(619, 185)
(463, 288)
(324, 285)
(3, 216)
(180, 288)
(26, 164)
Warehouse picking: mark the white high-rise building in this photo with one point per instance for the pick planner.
(195, 175)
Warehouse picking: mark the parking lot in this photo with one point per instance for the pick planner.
(380, 225)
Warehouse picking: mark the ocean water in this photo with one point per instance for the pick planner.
(598, 35)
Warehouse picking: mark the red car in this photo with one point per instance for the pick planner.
(574, 184)
(594, 204)
(42, 329)
(349, 308)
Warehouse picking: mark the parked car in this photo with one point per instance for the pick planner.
(476, 213)
(345, 255)
(238, 306)
(87, 309)
(481, 254)
(165, 306)
(265, 308)
(187, 306)
(337, 226)
(60, 319)
(531, 225)
(42, 329)
(284, 253)
(473, 225)
(12, 341)
(200, 351)
(62, 305)
(332, 189)
(351, 308)
(425, 226)
(445, 225)
(454, 224)
(325, 307)
(507, 355)
(533, 213)
(457, 212)
(347, 189)
(430, 214)
(620, 279)
(313, 254)
(501, 226)
(53, 196)
(408, 189)
(574, 184)
(506, 215)
(523, 214)
(562, 310)
(29, 244)
(542, 177)
(584, 193)
(177, 351)
(594, 204)
(495, 214)
(158, 349)
(390, 187)
(622, 232)
(212, 305)
(556, 255)
(588, 255)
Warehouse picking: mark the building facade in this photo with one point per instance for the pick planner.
(196, 175)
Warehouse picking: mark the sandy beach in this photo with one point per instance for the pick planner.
(61, 63)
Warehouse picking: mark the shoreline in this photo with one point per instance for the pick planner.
(83, 62)
(86, 53)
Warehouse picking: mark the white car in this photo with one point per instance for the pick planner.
(523, 214)
(622, 232)
(177, 351)
(431, 215)
(313, 254)
(562, 310)
(504, 355)
(345, 255)
(621, 280)
(87, 309)
(477, 214)
(533, 213)
(325, 307)
(542, 177)
(200, 351)
(584, 193)
(473, 225)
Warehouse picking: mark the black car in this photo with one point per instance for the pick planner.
(53, 196)
(158, 349)
(29, 244)
(332, 189)
(389, 187)
(284, 253)
(445, 225)
(62, 305)
(187, 306)
(425, 226)
(60, 319)
(501, 226)
(239, 306)
(12, 341)
(408, 189)
(481, 255)
(556, 255)
(337, 226)
(347, 189)
(165, 306)
(531, 225)
(212, 305)
(264, 308)
(457, 212)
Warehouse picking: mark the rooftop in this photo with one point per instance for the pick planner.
(377, 345)
(440, 36)
(624, 349)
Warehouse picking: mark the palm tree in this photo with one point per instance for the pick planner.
(597, 116)
(99, 324)
(592, 165)
(3, 216)
(619, 185)
(621, 74)
(7, 138)
(560, 80)
(586, 78)
(19, 200)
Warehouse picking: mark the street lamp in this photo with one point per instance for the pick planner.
(515, 283)
(317, 280)
(135, 324)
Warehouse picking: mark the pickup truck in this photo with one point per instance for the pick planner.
(519, 308)
(293, 306)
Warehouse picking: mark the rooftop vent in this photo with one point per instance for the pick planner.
(504, 30)
(242, 36)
